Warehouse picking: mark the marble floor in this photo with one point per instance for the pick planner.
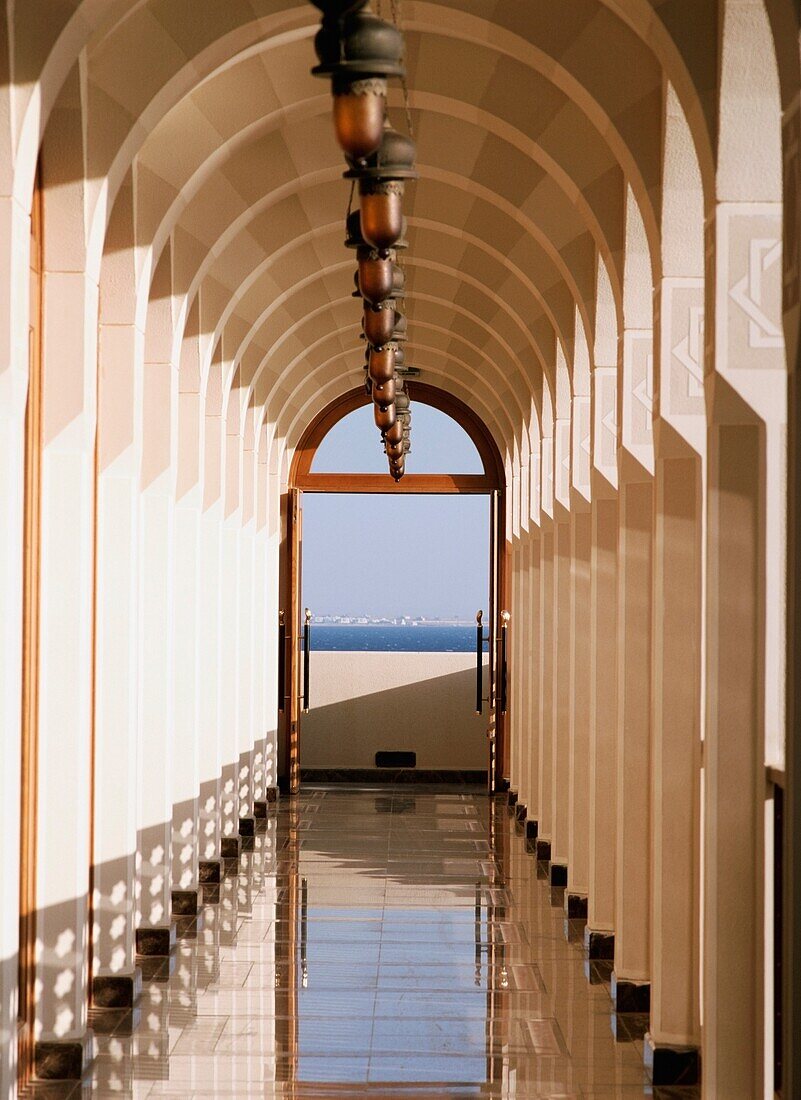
(381, 943)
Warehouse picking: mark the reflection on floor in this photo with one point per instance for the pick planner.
(380, 943)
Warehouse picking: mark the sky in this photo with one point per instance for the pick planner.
(383, 555)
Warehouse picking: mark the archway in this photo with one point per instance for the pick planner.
(293, 629)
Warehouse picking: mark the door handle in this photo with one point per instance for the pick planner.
(306, 654)
(479, 662)
(505, 616)
(281, 662)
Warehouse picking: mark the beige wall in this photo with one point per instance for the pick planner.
(363, 703)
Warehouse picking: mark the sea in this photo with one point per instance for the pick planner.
(394, 639)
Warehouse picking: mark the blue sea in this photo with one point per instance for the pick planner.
(394, 639)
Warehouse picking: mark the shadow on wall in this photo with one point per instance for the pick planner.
(364, 703)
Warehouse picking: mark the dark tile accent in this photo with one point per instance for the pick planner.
(271, 794)
(229, 847)
(532, 828)
(259, 810)
(543, 850)
(209, 871)
(511, 798)
(155, 941)
(629, 1027)
(247, 826)
(65, 1060)
(184, 903)
(113, 991)
(521, 813)
(599, 945)
(668, 1065)
(576, 906)
(371, 776)
(503, 786)
(630, 996)
(559, 874)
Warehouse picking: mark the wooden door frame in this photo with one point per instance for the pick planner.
(29, 747)
(490, 483)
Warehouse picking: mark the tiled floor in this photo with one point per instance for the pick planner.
(381, 943)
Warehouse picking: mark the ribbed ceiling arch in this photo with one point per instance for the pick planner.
(531, 122)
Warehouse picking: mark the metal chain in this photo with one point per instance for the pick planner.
(396, 19)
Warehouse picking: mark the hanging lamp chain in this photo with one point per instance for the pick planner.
(396, 19)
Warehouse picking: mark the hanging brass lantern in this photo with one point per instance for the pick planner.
(379, 322)
(384, 395)
(354, 238)
(398, 282)
(394, 434)
(358, 51)
(384, 418)
(375, 276)
(381, 364)
(381, 185)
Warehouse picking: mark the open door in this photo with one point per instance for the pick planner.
(294, 638)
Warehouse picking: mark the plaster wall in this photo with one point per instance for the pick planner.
(363, 703)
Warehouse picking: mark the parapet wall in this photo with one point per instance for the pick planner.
(363, 703)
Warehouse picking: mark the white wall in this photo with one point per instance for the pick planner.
(362, 703)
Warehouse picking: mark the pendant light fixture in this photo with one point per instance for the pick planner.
(358, 51)
(381, 185)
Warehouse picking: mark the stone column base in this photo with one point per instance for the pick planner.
(210, 876)
(209, 871)
(229, 847)
(63, 1059)
(672, 1065)
(184, 903)
(559, 875)
(599, 945)
(156, 941)
(116, 990)
(576, 906)
(629, 996)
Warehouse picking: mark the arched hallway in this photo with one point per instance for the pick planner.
(602, 277)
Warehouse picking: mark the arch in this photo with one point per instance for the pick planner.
(493, 479)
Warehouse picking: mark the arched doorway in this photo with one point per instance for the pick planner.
(293, 665)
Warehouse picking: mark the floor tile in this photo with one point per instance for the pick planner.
(379, 943)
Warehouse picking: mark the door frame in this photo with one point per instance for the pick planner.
(490, 483)
(29, 756)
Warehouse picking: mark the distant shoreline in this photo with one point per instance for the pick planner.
(404, 626)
